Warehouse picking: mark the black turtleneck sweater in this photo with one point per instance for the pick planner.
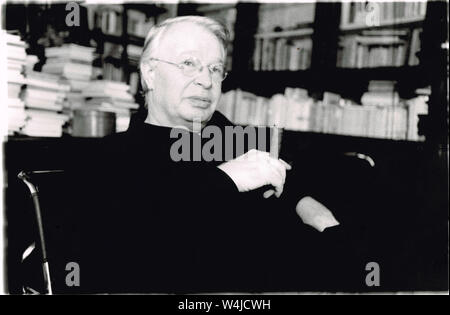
(150, 224)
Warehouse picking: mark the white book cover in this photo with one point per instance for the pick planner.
(70, 50)
(40, 133)
(48, 77)
(44, 94)
(105, 85)
(43, 104)
(47, 85)
(14, 39)
(46, 115)
(15, 103)
(277, 111)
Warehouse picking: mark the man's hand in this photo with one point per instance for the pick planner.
(315, 214)
(255, 169)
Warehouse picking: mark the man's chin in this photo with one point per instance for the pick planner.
(199, 114)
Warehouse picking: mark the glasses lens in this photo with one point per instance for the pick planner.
(191, 66)
(217, 72)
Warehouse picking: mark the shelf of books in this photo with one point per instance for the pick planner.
(283, 40)
(360, 15)
(383, 95)
(382, 113)
(384, 92)
(380, 34)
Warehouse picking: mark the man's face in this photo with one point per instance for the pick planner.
(179, 98)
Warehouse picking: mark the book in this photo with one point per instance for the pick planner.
(354, 14)
(226, 104)
(414, 47)
(71, 51)
(285, 16)
(357, 51)
(107, 85)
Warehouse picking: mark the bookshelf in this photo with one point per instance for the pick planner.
(380, 34)
(361, 15)
(225, 13)
(120, 39)
(283, 41)
(387, 23)
(400, 25)
(117, 31)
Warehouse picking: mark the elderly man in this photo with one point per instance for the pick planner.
(182, 68)
(154, 224)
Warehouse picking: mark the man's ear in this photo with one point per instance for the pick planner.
(148, 74)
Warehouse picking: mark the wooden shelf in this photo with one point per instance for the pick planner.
(116, 39)
(113, 60)
(64, 138)
(135, 40)
(356, 138)
(147, 8)
(293, 33)
(268, 83)
(204, 8)
(391, 23)
(291, 134)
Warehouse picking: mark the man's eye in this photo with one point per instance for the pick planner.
(189, 63)
(217, 69)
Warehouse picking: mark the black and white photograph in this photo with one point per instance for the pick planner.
(225, 154)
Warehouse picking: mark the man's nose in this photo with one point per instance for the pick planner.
(204, 78)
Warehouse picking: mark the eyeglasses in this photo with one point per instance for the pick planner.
(192, 67)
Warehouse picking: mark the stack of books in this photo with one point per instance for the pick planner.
(16, 60)
(42, 123)
(45, 91)
(111, 96)
(44, 98)
(381, 93)
(69, 68)
(73, 63)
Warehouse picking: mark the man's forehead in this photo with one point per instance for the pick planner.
(187, 37)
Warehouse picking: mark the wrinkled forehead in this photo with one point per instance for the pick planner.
(190, 38)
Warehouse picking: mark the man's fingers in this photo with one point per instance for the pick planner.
(276, 180)
(276, 173)
(276, 166)
(288, 167)
(268, 193)
(279, 191)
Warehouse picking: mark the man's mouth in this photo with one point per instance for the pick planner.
(200, 101)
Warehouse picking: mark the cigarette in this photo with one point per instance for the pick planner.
(275, 141)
